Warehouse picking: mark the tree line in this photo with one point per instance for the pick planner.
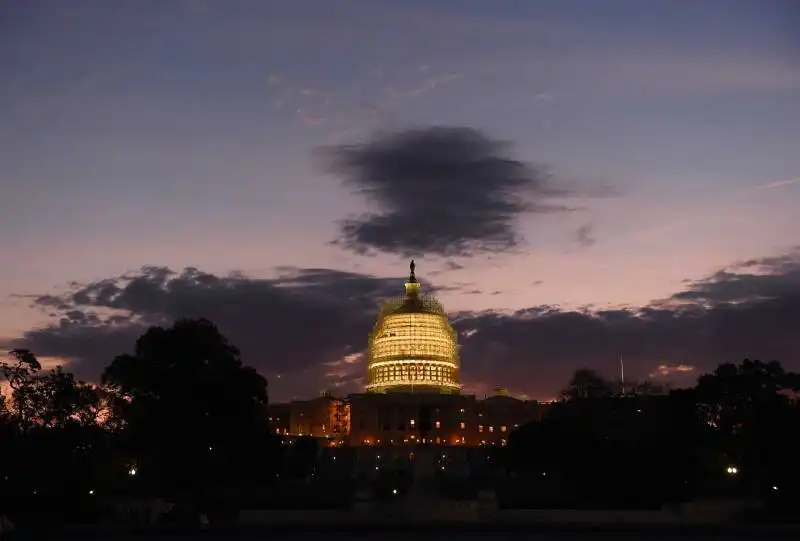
(181, 418)
(605, 443)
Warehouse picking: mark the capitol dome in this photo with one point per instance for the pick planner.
(413, 348)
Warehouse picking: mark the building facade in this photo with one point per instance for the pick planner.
(323, 417)
(441, 419)
(413, 389)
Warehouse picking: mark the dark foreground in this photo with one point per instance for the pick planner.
(467, 531)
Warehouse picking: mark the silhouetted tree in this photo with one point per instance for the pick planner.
(192, 415)
(646, 387)
(50, 399)
(20, 373)
(730, 392)
(601, 447)
(303, 457)
(4, 411)
(587, 384)
(52, 444)
(746, 406)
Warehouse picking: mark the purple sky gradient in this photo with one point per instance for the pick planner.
(185, 133)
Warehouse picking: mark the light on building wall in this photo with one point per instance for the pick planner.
(462, 425)
(503, 428)
(438, 424)
(412, 423)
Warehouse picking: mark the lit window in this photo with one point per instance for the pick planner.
(480, 428)
(503, 428)
(438, 424)
(491, 429)
(462, 410)
(461, 424)
(412, 423)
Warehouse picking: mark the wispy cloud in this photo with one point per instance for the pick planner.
(665, 370)
(777, 184)
(361, 104)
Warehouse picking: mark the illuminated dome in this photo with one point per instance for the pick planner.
(413, 348)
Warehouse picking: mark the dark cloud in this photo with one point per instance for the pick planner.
(756, 279)
(440, 191)
(304, 318)
(310, 326)
(449, 265)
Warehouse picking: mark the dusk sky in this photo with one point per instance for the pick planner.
(575, 179)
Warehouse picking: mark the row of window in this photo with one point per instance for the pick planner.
(412, 374)
(412, 423)
(395, 322)
(390, 349)
(413, 440)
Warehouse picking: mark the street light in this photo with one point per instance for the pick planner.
(732, 470)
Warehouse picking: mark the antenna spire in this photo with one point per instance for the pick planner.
(412, 285)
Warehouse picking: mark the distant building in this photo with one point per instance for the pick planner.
(498, 415)
(413, 389)
(412, 418)
(321, 417)
(443, 419)
(279, 417)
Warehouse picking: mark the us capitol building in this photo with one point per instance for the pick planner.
(413, 392)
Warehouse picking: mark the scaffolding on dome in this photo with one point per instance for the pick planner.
(413, 347)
